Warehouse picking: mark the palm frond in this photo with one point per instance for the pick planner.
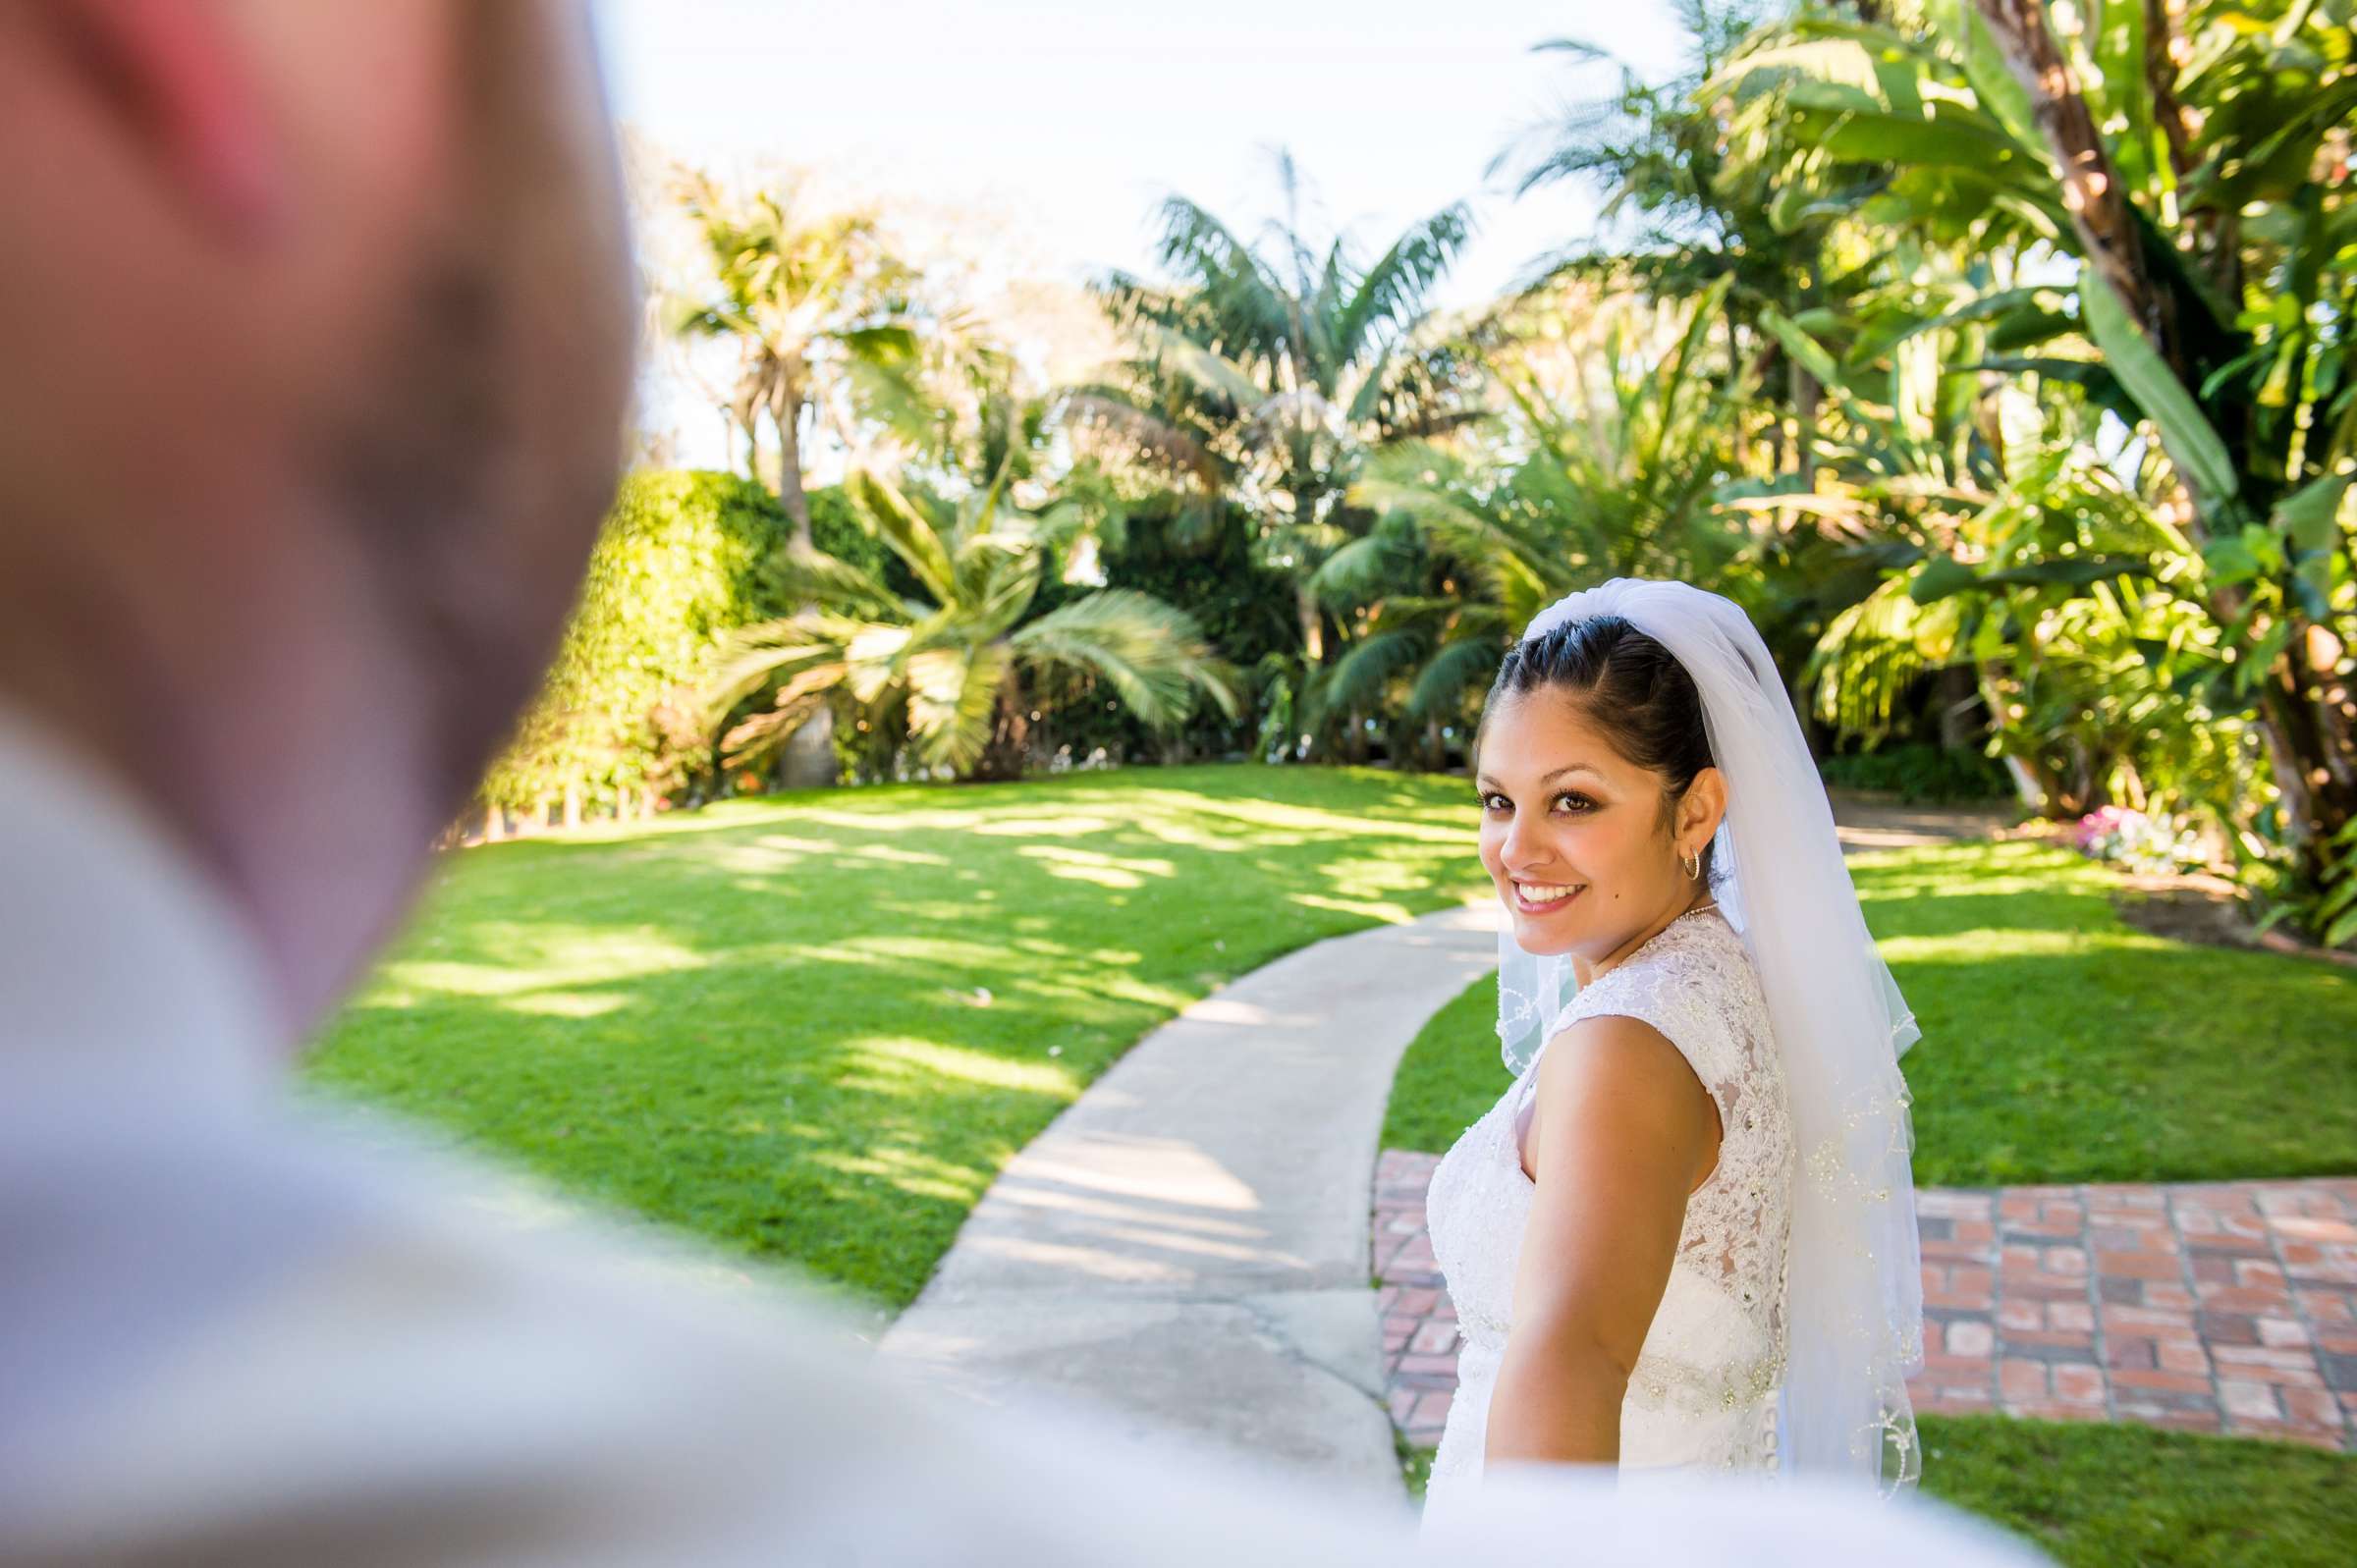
(1462, 666)
(1149, 435)
(750, 658)
(1392, 293)
(1207, 369)
(952, 697)
(1150, 653)
(911, 535)
(1362, 676)
(803, 572)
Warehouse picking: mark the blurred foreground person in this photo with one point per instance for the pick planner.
(315, 322)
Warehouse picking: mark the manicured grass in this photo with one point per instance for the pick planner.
(2101, 1496)
(1449, 1075)
(2059, 1044)
(814, 1027)
(2096, 1496)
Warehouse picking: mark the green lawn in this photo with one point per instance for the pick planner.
(2059, 1044)
(2102, 1497)
(813, 1028)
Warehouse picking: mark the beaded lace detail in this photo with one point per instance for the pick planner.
(1704, 1389)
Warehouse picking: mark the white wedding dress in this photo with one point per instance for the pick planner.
(1704, 1392)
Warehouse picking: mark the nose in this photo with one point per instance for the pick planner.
(1514, 850)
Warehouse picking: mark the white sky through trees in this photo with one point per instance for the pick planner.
(1057, 126)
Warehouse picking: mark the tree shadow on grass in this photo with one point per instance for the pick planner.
(2059, 1044)
(814, 1030)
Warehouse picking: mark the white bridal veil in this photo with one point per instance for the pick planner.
(1854, 1302)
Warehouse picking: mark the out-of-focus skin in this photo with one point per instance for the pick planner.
(316, 322)
(1620, 1129)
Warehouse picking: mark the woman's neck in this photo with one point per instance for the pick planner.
(1588, 974)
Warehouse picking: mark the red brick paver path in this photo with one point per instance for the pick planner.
(2223, 1306)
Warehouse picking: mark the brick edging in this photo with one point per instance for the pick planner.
(2221, 1307)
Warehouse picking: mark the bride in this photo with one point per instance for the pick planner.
(1684, 1238)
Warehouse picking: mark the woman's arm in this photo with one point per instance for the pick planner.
(1621, 1133)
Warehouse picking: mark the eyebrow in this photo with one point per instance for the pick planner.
(1548, 779)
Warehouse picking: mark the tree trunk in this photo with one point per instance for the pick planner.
(2099, 208)
(786, 409)
(1005, 754)
(2305, 713)
(1802, 388)
(2217, 235)
(743, 414)
(1959, 693)
(2028, 788)
(1313, 624)
(1313, 653)
(807, 759)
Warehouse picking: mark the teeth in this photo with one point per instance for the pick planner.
(1541, 892)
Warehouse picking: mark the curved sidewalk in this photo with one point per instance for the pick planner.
(1187, 1243)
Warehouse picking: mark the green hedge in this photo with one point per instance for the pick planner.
(1920, 773)
(683, 559)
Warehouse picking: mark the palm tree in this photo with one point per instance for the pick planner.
(816, 303)
(817, 308)
(962, 668)
(1615, 452)
(1265, 373)
(1679, 220)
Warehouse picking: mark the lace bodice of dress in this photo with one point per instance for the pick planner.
(1704, 1388)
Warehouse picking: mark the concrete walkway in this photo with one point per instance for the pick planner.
(1187, 1243)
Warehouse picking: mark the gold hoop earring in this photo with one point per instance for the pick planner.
(1693, 865)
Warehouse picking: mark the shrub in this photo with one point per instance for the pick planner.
(2160, 842)
(683, 556)
(1920, 774)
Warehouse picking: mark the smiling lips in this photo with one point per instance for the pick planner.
(1539, 897)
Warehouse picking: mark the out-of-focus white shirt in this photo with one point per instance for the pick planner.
(230, 1337)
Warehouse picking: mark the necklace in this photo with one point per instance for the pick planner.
(1595, 975)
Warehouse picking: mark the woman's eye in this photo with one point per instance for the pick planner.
(1569, 800)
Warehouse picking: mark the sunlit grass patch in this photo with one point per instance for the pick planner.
(2100, 1496)
(2059, 1044)
(814, 1027)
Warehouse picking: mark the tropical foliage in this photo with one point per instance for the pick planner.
(1264, 374)
(961, 664)
(2180, 175)
(1993, 354)
(681, 562)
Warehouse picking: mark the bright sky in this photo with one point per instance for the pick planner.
(1071, 119)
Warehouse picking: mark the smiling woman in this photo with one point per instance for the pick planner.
(1614, 1230)
(1641, 1276)
(1598, 800)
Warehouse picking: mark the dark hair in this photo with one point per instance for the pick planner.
(1628, 685)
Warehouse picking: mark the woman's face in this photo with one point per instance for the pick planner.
(1576, 837)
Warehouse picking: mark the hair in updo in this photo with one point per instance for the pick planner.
(1628, 685)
